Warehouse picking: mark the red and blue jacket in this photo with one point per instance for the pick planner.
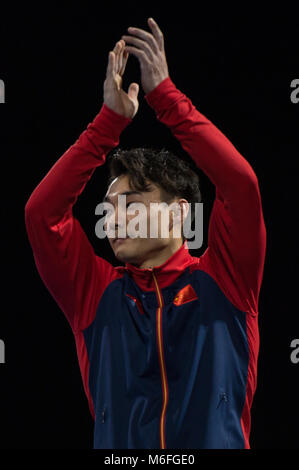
(168, 355)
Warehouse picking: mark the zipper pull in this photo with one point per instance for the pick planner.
(222, 397)
(103, 415)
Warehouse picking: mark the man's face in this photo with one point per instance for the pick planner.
(135, 250)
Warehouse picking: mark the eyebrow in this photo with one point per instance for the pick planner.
(125, 193)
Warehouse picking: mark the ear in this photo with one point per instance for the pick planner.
(185, 208)
(179, 212)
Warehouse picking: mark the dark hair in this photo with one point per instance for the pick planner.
(174, 176)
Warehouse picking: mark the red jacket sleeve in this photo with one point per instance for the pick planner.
(237, 235)
(75, 276)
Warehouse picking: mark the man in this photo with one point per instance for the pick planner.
(168, 343)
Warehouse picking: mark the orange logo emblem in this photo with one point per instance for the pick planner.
(186, 294)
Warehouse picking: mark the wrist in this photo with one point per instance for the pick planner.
(153, 85)
(163, 95)
(113, 113)
(110, 121)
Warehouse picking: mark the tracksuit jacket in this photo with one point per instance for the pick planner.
(168, 355)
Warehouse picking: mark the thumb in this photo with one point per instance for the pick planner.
(133, 91)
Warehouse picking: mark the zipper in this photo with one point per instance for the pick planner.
(162, 362)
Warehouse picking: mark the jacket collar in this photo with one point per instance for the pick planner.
(165, 274)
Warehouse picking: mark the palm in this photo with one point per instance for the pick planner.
(115, 97)
(126, 100)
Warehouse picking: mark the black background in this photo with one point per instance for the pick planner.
(237, 67)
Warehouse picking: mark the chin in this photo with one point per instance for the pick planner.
(129, 252)
(125, 256)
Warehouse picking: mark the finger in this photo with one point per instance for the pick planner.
(111, 65)
(124, 62)
(145, 36)
(157, 33)
(141, 55)
(117, 50)
(140, 44)
(121, 56)
(133, 91)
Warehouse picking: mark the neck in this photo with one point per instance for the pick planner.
(159, 257)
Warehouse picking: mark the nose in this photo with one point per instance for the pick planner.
(115, 221)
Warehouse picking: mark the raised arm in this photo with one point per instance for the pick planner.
(237, 235)
(64, 257)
